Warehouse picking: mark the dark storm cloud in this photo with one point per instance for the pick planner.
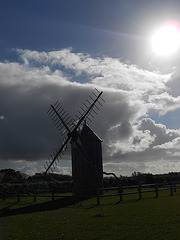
(24, 130)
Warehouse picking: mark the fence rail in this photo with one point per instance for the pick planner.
(34, 196)
(139, 190)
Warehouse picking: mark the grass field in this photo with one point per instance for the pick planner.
(149, 218)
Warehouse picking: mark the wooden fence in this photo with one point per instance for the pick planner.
(137, 189)
(120, 191)
(34, 196)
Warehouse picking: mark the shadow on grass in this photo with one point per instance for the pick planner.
(39, 207)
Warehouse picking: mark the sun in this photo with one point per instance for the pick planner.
(166, 40)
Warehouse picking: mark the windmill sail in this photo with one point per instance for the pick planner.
(68, 126)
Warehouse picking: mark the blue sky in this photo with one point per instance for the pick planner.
(116, 28)
(61, 50)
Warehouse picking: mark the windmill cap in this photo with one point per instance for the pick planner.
(88, 134)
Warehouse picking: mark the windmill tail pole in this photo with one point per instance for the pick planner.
(113, 175)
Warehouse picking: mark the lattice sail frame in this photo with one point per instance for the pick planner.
(68, 126)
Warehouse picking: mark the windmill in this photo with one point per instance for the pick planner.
(86, 151)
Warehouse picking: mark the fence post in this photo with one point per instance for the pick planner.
(52, 195)
(174, 187)
(120, 193)
(3, 194)
(98, 197)
(18, 196)
(156, 189)
(171, 189)
(34, 195)
(139, 190)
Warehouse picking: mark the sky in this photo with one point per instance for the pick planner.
(64, 49)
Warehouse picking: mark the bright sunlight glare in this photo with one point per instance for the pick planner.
(166, 40)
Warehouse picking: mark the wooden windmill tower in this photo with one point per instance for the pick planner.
(86, 151)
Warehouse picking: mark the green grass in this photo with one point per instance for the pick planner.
(149, 218)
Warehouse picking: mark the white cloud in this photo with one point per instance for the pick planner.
(26, 77)
(28, 88)
(78, 62)
(138, 141)
(141, 85)
(30, 168)
(172, 147)
(164, 102)
(148, 142)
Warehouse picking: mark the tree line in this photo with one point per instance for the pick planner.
(11, 181)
